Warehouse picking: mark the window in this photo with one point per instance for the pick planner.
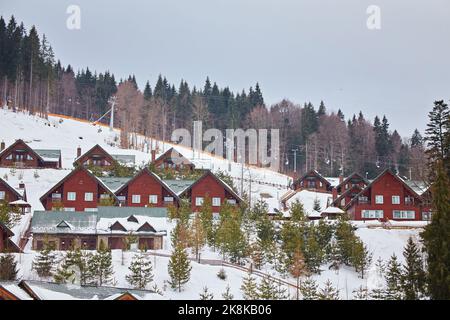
(395, 199)
(198, 201)
(56, 195)
(69, 209)
(426, 216)
(2, 195)
(136, 198)
(104, 196)
(321, 184)
(90, 209)
(216, 201)
(168, 199)
(231, 201)
(363, 199)
(372, 214)
(404, 214)
(153, 198)
(9, 157)
(343, 202)
(379, 199)
(409, 200)
(71, 196)
(88, 196)
(29, 157)
(121, 198)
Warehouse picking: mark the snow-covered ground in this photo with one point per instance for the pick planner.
(68, 134)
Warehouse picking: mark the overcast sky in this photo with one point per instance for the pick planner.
(301, 50)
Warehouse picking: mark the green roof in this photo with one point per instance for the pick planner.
(123, 212)
(114, 183)
(49, 154)
(124, 158)
(179, 186)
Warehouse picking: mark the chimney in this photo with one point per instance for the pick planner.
(335, 193)
(153, 155)
(78, 152)
(21, 185)
(2, 146)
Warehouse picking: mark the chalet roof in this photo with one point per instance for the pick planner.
(307, 199)
(317, 174)
(352, 175)
(220, 181)
(146, 170)
(90, 150)
(49, 155)
(386, 171)
(174, 153)
(115, 183)
(6, 230)
(81, 222)
(52, 222)
(125, 159)
(178, 186)
(145, 225)
(20, 203)
(342, 195)
(13, 288)
(20, 193)
(332, 209)
(72, 173)
(53, 291)
(420, 187)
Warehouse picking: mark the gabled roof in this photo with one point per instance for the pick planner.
(220, 181)
(178, 186)
(147, 227)
(317, 174)
(56, 221)
(115, 183)
(386, 171)
(45, 155)
(146, 170)
(71, 174)
(13, 190)
(10, 244)
(350, 176)
(117, 226)
(125, 159)
(344, 194)
(173, 153)
(90, 150)
(6, 230)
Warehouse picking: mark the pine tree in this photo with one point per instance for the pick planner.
(267, 289)
(8, 267)
(316, 206)
(141, 272)
(197, 235)
(64, 273)
(436, 239)
(361, 257)
(328, 292)
(298, 268)
(334, 257)
(361, 293)
(309, 289)
(101, 266)
(413, 279)
(393, 279)
(313, 253)
(437, 133)
(206, 217)
(297, 211)
(44, 262)
(227, 295)
(179, 267)
(206, 295)
(249, 288)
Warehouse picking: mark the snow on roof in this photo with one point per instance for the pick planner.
(125, 159)
(114, 183)
(333, 181)
(178, 186)
(15, 290)
(125, 212)
(20, 202)
(48, 155)
(307, 198)
(78, 222)
(419, 187)
(54, 291)
(332, 209)
(159, 224)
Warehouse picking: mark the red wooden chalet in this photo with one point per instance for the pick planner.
(14, 197)
(99, 157)
(174, 160)
(6, 244)
(146, 189)
(80, 190)
(388, 197)
(209, 185)
(21, 155)
(348, 189)
(313, 181)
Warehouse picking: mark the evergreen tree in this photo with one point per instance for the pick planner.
(267, 289)
(64, 273)
(309, 289)
(361, 293)
(297, 212)
(147, 91)
(393, 279)
(198, 235)
(298, 268)
(416, 139)
(361, 257)
(179, 267)
(206, 295)
(413, 279)
(249, 288)
(322, 109)
(8, 267)
(438, 129)
(206, 217)
(265, 231)
(141, 272)
(44, 262)
(227, 295)
(101, 267)
(316, 205)
(313, 253)
(436, 239)
(328, 292)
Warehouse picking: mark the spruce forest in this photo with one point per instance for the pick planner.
(32, 79)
